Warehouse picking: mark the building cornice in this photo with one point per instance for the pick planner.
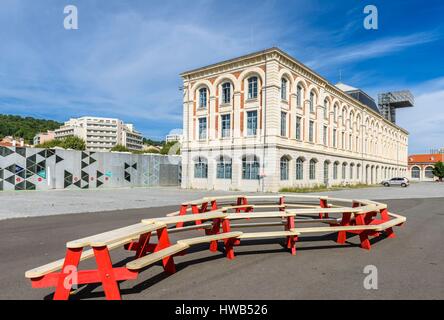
(276, 54)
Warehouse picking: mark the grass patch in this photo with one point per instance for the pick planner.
(320, 188)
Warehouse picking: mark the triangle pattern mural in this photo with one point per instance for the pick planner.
(21, 151)
(128, 169)
(11, 180)
(31, 169)
(4, 151)
(46, 153)
(99, 178)
(85, 176)
(68, 179)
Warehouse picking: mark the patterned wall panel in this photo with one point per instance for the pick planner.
(43, 169)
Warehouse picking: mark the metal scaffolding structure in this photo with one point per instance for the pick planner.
(390, 101)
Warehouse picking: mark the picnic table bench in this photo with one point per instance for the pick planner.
(211, 214)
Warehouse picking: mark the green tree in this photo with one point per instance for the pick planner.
(151, 142)
(120, 148)
(50, 144)
(25, 127)
(74, 143)
(152, 150)
(167, 146)
(438, 170)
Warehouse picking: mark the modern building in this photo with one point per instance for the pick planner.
(421, 166)
(265, 121)
(101, 134)
(172, 137)
(43, 137)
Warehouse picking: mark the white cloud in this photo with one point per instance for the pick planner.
(425, 121)
(372, 49)
(122, 63)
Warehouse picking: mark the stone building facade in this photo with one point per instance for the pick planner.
(265, 121)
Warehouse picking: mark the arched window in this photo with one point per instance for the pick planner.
(299, 169)
(252, 88)
(201, 168)
(344, 168)
(224, 168)
(284, 168)
(250, 168)
(312, 101)
(335, 170)
(299, 96)
(203, 98)
(284, 89)
(428, 172)
(358, 169)
(226, 92)
(312, 173)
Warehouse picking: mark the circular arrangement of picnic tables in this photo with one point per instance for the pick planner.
(224, 219)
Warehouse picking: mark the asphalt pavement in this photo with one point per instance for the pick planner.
(409, 266)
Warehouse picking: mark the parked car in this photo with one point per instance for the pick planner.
(403, 182)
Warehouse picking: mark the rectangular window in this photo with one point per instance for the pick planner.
(325, 136)
(299, 97)
(251, 123)
(299, 169)
(312, 171)
(311, 131)
(202, 128)
(226, 125)
(201, 170)
(284, 169)
(325, 109)
(250, 169)
(224, 169)
(283, 124)
(312, 98)
(284, 89)
(343, 140)
(334, 138)
(252, 88)
(298, 128)
(226, 93)
(203, 98)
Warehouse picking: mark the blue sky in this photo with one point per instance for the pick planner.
(124, 60)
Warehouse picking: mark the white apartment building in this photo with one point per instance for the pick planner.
(101, 134)
(172, 137)
(265, 121)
